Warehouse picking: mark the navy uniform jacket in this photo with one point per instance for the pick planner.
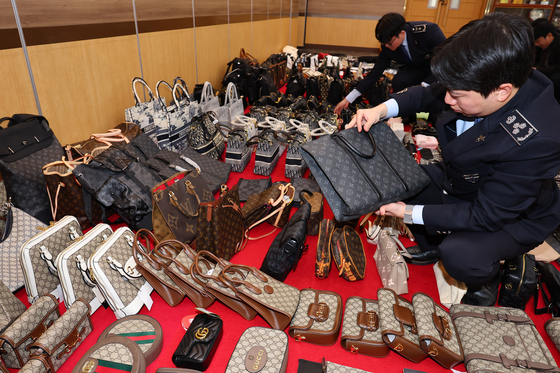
(421, 37)
(499, 173)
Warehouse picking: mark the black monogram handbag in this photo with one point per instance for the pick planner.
(360, 171)
(200, 342)
(26, 145)
(205, 137)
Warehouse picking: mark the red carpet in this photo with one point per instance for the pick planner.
(421, 279)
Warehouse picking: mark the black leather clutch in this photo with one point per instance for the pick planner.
(199, 343)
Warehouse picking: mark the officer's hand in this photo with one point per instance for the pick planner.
(366, 118)
(392, 209)
(341, 105)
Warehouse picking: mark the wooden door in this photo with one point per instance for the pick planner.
(450, 20)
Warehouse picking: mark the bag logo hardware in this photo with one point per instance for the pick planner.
(321, 310)
(88, 367)
(201, 333)
(256, 359)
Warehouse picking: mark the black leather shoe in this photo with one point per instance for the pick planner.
(420, 257)
(484, 295)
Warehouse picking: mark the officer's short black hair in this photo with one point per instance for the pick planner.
(389, 26)
(486, 53)
(542, 27)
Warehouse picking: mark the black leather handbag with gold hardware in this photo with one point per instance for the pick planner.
(200, 342)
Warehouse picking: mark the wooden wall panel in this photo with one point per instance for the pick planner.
(240, 37)
(166, 55)
(16, 95)
(85, 86)
(301, 31)
(261, 47)
(334, 31)
(356, 7)
(212, 54)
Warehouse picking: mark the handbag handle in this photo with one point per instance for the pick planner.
(345, 144)
(213, 258)
(176, 93)
(325, 128)
(179, 80)
(166, 255)
(143, 82)
(231, 94)
(234, 282)
(164, 83)
(137, 252)
(207, 93)
(112, 135)
(255, 139)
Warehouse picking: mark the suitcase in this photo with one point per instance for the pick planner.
(73, 272)
(38, 257)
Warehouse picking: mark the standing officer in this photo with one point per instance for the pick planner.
(408, 43)
(493, 197)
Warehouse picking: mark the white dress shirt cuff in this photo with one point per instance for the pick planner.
(417, 214)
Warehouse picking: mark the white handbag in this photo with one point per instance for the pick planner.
(233, 106)
(208, 102)
(142, 113)
(38, 257)
(114, 268)
(75, 276)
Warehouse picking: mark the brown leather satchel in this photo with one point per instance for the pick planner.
(247, 57)
(180, 259)
(361, 333)
(65, 193)
(98, 142)
(318, 317)
(205, 272)
(152, 268)
(221, 225)
(175, 206)
(398, 325)
(274, 300)
(323, 257)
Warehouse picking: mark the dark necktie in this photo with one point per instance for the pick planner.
(405, 53)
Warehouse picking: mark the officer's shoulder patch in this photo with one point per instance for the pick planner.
(419, 28)
(403, 91)
(518, 127)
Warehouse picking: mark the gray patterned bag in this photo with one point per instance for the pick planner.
(318, 317)
(360, 171)
(18, 227)
(436, 331)
(238, 154)
(3, 195)
(274, 300)
(360, 331)
(295, 165)
(205, 136)
(390, 263)
(262, 348)
(142, 113)
(38, 257)
(114, 268)
(16, 339)
(552, 327)
(10, 307)
(267, 153)
(65, 335)
(398, 325)
(500, 340)
(75, 276)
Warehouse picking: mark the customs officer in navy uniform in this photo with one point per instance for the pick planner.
(410, 44)
(493, 197)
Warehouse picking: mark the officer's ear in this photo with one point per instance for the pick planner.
(503, 92)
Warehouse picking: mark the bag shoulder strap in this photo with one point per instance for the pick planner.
(508, 363)
(490, 317)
